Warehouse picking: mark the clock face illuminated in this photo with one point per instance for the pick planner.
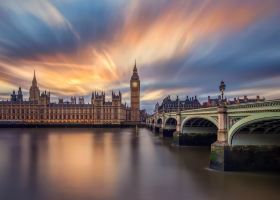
(134, 84)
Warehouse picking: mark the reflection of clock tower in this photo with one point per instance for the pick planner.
(135, 95)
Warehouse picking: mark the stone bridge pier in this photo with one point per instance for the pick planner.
(151, 124)
(158, 125)
(254, 154)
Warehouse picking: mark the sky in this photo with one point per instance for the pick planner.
(182, 47)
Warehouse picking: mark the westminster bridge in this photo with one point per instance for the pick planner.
(242, 136)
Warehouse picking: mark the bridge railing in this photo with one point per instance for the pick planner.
(231, 108)
(268, 103)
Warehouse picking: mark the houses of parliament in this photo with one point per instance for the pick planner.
(40, 110)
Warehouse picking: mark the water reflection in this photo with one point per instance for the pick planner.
(115, 164)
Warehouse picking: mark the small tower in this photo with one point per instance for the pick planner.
(116, 99)
(81, 100)
(19, 95)
(13, 97)
(73, 100)
(98, 99)
(116, 106)
(135, 95)
(34, 92)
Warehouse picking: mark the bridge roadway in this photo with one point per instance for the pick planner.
(242, 136)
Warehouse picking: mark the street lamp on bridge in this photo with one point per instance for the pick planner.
(222, 89)
(178, 104)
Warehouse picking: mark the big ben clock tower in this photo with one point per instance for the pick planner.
(135, 95)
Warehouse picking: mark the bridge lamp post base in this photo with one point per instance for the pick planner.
(218, 156)
(176, 138)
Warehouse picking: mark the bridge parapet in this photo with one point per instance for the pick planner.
(266, 106)
(234, 113)
(210, 110)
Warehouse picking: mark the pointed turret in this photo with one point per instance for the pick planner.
(34, 92)
(19, 95)
(135, 68)
(135, 75)
(34, 81)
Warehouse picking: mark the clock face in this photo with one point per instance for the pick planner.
(134, 84)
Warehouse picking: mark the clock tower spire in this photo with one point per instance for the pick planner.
(135, 95)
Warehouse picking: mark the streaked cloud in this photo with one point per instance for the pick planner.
(182, 47)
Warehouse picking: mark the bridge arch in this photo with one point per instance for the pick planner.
(258, 129)
(199, 130)
(170, 121)
(205, 118)
(159, 121)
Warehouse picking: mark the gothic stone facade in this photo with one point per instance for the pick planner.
(169, 105)
(40, 110)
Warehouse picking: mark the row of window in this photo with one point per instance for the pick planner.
(17, 111)
(59, 117)
(185, 106)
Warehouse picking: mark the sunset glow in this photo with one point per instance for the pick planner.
(182, 47)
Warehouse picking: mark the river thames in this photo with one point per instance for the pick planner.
(117, 164)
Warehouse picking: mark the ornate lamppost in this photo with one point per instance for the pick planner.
(222, 90)
(178, 105)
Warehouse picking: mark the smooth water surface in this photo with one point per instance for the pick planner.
(117, 164)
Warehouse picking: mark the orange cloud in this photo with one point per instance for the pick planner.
(177, 29)
(170, 34)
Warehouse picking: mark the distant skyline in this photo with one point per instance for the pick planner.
(182, 47)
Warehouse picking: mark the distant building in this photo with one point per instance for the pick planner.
(246, 100)
(40, 110)
(211, 102)
(169, 105)
(215, 102)
(143, 116)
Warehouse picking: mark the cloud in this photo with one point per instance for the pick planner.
(182, 47)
